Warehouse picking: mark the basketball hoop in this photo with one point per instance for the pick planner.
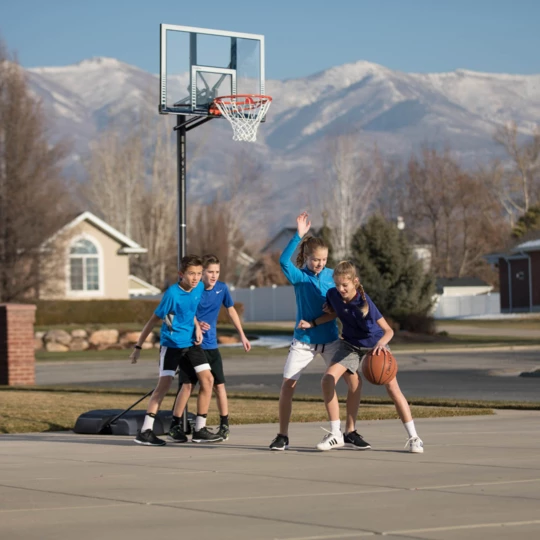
(244, 112)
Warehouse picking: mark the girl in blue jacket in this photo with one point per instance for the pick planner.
(311, 280)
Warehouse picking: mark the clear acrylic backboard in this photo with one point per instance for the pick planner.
(198, 65)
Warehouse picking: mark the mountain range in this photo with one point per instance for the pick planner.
(399, 112)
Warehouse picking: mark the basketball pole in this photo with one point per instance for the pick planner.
(182, 226)
(182, 127)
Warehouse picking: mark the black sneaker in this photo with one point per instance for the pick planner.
(281, 442)
(223, 432)
(177, 435)
(148, 438)
(355, 440)
(204, 435)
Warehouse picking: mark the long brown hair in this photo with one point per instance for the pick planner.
(307, 246)
(347, 269)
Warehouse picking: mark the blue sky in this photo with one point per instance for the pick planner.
(302, 36)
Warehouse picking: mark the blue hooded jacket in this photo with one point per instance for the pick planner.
(310, 291)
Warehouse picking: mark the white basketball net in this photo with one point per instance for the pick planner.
(245, 113)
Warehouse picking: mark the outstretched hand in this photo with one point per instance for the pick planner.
(246, 344)
(134, 356)
(304, 325)
(204, 326)
(303, 224)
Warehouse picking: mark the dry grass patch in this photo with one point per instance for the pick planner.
(37, 411)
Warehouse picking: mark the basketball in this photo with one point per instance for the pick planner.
(379, 368)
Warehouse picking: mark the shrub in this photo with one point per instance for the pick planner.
(58, 312)
(418, 323)
(390, 274)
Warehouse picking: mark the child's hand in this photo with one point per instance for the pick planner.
(204, 326)
(246, 344)
(304, 325)
(198, 336)
(380, 348)
(303, 224)
(134, 356)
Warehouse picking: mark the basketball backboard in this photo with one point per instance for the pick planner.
(198, 65)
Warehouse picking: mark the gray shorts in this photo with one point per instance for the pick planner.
(349, 356)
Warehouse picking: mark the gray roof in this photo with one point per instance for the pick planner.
(461, 282)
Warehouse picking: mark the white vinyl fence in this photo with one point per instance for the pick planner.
(267, 303)
(455, 307)
(279, 304)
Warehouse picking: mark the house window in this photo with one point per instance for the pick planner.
(84, 266)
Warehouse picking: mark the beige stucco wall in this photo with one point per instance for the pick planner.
(114, 268)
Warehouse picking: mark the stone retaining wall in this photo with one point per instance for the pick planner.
(82, 339)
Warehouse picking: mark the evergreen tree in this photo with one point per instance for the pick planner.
(389, 272)
(529, 221)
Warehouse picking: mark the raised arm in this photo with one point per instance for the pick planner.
(235, 319)
(292, 273)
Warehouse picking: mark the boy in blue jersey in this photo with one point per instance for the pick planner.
(364, 329)
(215, 295)
(180, 347)
(311, 280)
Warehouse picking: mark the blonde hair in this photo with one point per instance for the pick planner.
(307, 246)
(347, 269)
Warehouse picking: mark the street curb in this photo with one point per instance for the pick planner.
(469, 349)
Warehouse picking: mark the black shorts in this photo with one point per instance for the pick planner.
(188, 358)
(213, 357)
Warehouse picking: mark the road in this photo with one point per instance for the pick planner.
(491, 375)
(478, 478)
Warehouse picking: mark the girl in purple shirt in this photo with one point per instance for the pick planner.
(364, 329)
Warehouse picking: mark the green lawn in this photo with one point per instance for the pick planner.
(39, 411)
(532, 323)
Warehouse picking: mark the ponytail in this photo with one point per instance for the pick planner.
(347, 269)
(307, 246)
(365, 307)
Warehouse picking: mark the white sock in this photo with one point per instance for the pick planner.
(411, 430)
(200, 422)
(335, 427)
(148, 422)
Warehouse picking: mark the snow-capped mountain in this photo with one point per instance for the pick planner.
(398, 111)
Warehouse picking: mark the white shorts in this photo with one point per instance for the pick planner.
(301, 354)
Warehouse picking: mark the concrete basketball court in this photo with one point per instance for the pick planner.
(478, 478)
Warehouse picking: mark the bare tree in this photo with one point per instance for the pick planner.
(352, 185)
(525, 165)
(454, 212)
(155, 220)
(34, 200)
(116, 175)
(226, 226)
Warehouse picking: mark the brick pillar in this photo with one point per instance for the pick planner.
(17, 359)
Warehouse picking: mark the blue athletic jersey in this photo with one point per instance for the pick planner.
(208, 311)
(177, 309)
(310, 291)
(357, 330)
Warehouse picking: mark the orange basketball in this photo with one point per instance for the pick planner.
(379, 368)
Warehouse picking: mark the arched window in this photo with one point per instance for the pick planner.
(84, 266)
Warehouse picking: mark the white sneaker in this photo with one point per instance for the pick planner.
(331, 441)
(415, 445)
